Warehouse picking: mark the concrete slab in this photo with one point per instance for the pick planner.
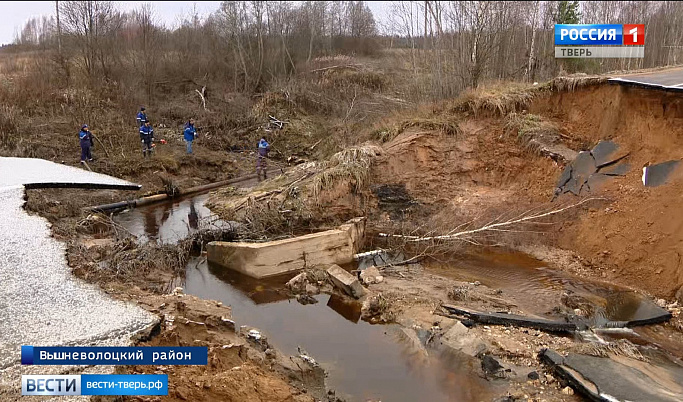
(656, 175)
(345, 281)
(260, 260)
(458, 338)
(618, 378)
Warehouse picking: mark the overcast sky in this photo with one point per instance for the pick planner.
(16, 13)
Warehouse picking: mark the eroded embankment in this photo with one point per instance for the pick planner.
(637, 239)
(424, 179)
(474, 158)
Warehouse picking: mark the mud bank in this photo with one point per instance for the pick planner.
(635, 238)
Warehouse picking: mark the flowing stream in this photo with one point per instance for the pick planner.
(367, 361)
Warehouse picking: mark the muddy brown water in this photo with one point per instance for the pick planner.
(367, 361)
(167, 221)
(537, 289)
(364, 361)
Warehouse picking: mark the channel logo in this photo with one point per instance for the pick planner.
(634, 34)
(600, 34)
(94, 384)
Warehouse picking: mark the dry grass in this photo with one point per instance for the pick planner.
(621, 347)
(502, 98)
(573, 82)
(499, 99)
(151, 265)
(340, 78)
(446, 125)
(129, 259)
(275, 207)
(351, 165)
(379, 308)
(9, 128)
(288, 204)
(529, 127)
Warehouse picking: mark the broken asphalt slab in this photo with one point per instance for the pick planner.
(34, 173)
(618, 378)
(616, 169)
(565, 176)
(646, 314)
(511, 319)
(594, 182)
(582, 167)
(41, 302)
(656, 175)
(592, 168)
(606, 153)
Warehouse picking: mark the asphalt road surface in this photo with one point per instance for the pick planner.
(41, 302)
(671, 79)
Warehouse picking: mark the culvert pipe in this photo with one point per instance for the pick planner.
(163, 197)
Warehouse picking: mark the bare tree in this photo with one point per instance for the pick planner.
(147, 47)
(93, 28)
(59, 29)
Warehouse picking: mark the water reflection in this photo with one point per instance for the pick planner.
(364, 361)
(345, 308)
(192, 215)
(260, 291)
(166, 222)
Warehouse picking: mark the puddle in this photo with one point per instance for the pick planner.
(537, 289)
(364, 361)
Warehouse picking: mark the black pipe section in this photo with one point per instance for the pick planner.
(163, 197)
(97, 186)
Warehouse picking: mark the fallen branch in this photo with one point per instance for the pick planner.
(102, 145)
(352, 66)
(201, 95)
(316, 144)
(492, 226)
